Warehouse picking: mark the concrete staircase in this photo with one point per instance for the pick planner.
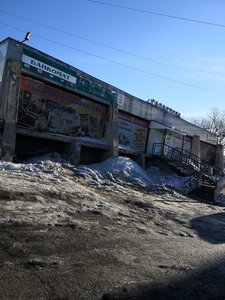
(205, 192)
(180, 160)
(179, 168)
(200, 185)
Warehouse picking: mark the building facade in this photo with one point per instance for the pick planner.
(47, 105)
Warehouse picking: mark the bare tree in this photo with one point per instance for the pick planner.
(215, 123)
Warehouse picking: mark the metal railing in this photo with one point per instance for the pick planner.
(187, 161)
(182, 157)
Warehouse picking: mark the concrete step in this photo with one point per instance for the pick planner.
(204, 193)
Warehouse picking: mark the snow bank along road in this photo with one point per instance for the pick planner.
(106, 231)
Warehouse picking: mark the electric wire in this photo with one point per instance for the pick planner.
(158, 14)
(106, 46)
(96, 42)
(117, 63)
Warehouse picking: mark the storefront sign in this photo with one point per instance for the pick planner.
(187, 143)
(95, 89)
(46, 108)
(51, 70)
(120, 99)
(48, 69)
(178, 141)
(132, 132)
(174, 140)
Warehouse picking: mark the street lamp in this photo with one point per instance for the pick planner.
(27, 37)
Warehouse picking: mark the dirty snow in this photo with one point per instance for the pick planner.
(50, 190)
(121, 170)
(125, 170)
(220, 192)
(104, 219)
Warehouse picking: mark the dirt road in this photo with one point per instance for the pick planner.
(68, 239)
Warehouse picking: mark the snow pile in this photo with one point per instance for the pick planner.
(45, 167)
(121, 170)
(124, 170)
(49, 190)
(167, 179)
(220, 192)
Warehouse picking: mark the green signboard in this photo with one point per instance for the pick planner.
(50, 69)
(93, 88)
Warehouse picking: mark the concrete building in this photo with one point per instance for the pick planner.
(167, 130)
(47, 105)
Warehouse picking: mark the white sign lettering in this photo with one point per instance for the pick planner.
(51, 70)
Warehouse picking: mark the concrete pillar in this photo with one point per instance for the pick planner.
(111, 132)
(74, 152)
(9, 109)
(219, 160)
(141, 160)
(196, 146)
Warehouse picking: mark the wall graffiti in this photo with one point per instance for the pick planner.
(46, 108)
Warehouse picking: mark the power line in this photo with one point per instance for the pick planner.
(130, 67)
(118, 63)
(158, 14)
(95, 42)
(13, 27)
(104, 45)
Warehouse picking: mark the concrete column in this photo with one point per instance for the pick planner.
(111, 132)
(141, 160)
(9, 109)
(219, 160)
(74, 152)
(196, 146)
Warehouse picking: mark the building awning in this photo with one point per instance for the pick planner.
(155, 125)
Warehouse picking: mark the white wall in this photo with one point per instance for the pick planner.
(149, 112)
(155, 136)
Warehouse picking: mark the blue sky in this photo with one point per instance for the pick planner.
(189, 52)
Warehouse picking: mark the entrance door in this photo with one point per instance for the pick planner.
(155, 141)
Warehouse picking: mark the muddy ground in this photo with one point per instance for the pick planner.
(68, 239)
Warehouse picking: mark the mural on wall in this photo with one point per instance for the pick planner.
(46, 108)
(132, 132)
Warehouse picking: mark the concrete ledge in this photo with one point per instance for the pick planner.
(84, 141)
(129, 151)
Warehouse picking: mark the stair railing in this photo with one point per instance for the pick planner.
(188, 161)
(182, 157)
